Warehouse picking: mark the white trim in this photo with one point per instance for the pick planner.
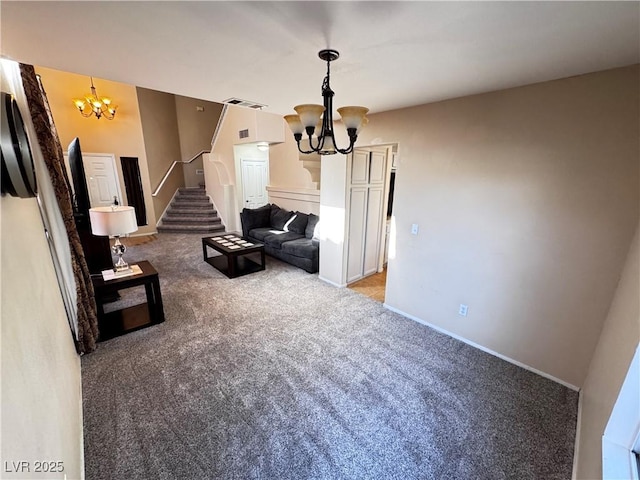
(332, 283)
(159, 219)
(296, 194)
(484, 349)
(576, 441)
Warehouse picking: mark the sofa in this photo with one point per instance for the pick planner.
(288, 236)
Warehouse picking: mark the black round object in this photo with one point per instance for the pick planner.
(18, 174)
(328, 55)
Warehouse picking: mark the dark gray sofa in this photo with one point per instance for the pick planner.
(286, 235)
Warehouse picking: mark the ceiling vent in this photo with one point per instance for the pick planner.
(244, 103)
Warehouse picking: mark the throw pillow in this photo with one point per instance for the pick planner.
(279, 217)
(298, 223)
(286, 225)
(255, 217)
(311, 226)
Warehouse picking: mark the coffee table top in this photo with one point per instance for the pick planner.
(230, 243)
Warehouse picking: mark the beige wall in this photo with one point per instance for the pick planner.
(526, 200)
(161, 140)
(286, 167)
(121, 136)
(41, 389)
(197, 120)
(616, 347)
(196, 127)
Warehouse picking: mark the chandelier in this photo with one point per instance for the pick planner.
(311, 118)
(92, 104)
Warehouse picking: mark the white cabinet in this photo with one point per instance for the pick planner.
(367, 171)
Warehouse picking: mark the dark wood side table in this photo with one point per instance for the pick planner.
(132, 318)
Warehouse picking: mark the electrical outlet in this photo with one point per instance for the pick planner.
(414, 229)
(463, 310)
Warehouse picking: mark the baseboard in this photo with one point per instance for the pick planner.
(332, 283)
(576, 444)
(484, 349)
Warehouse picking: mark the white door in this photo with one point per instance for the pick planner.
(255, 177)
(102, 178)
(357, 231)
(373, 227)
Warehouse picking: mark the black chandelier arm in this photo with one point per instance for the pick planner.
(349, 149)
(318, 148)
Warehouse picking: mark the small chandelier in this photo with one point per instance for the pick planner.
(310, 118)
(94, 105)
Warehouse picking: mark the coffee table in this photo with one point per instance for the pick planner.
(237, 256)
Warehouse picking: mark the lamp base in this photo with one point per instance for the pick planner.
(119, 249)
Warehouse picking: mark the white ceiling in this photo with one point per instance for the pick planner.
(393, 54)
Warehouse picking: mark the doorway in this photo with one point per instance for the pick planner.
(255, 178)
(102, 178)
(371, 191)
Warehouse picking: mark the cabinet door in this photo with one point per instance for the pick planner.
(357, 224)
(359, 168)
(373, 230)
(378, 168)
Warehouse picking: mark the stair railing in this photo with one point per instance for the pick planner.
(199, 154)
(173, 165)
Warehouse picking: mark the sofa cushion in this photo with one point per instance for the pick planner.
(260, 233)
(277, 239)
(310, 230)
(302, 247)
(255, 218)
(279, 217)
(297, 223)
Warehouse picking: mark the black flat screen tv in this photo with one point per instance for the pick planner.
(81, 202)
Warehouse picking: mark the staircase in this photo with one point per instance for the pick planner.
(191, 212)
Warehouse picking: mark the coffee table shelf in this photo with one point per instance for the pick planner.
(242, 259)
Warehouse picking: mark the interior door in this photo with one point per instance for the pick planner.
(102, 178)
(255, 177)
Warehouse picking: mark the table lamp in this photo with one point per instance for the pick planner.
(114, 221)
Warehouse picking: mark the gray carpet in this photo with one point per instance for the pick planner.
(277, 375)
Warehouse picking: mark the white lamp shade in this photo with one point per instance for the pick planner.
(309, 114)
(352, 116)
(110, 221)
(294, 123)
(329, 148)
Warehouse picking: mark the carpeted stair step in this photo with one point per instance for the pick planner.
(192, 212)
(188, 220)
(195, 192)
(180, 202)
(170, 228)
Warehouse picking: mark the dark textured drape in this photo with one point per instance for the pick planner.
(52, 152)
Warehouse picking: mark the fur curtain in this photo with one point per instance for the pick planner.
(52, 151)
